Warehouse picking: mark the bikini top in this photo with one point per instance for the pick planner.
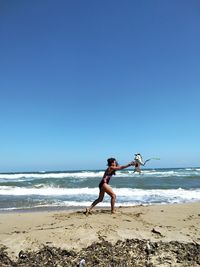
(107, 175)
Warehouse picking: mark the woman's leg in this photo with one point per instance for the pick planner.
(110, 192)
(99, 199)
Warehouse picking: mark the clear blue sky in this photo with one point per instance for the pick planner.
(81, 81)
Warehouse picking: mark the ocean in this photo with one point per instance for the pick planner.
(75, 189)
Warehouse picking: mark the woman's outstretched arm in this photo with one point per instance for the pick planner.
(122, 167)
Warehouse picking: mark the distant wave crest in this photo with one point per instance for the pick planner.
(185, 172)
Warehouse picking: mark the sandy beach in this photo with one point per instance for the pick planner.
(73, 230)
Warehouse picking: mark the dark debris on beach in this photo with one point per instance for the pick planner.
(128, 253)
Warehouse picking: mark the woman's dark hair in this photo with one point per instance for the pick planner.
(110, 161)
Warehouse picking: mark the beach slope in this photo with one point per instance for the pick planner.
(72, 230)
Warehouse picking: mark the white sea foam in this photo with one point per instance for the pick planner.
(125, 193)
(46, 191)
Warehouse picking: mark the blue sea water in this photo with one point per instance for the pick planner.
(80, 188)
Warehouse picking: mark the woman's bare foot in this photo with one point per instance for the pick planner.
(87, 212)
(113, 211)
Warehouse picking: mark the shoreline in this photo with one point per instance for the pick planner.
(82, 208)
(41, 209)
(73, 230)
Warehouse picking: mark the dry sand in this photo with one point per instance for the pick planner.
(74, 230)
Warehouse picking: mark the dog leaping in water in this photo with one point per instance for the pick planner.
(138, 161)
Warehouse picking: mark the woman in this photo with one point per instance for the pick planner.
(104, 184)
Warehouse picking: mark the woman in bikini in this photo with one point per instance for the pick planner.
(104, 186)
